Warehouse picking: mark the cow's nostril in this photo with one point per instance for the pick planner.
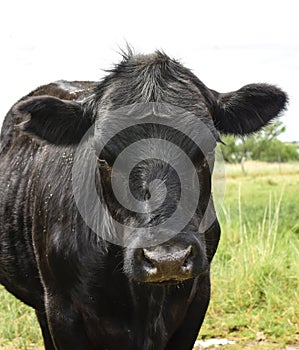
(187, 263)
(148, 263)
(146, 259)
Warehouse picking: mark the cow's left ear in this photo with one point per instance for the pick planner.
(49, 118)
(249, 109)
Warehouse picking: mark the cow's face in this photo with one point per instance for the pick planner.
(153, 188)
(156, 181)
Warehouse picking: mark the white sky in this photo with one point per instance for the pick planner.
(227, 43)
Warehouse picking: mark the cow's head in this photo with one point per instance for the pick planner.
(155, 88)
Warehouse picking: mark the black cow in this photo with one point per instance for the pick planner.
(89, 292)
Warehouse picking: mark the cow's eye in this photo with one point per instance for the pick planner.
(103, 163)
(206, 161)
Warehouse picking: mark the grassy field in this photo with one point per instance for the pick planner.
(254, 273)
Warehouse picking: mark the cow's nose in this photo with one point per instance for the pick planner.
(161, 266)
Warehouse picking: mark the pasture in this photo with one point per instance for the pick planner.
(254, 273)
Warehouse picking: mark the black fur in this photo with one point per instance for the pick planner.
(248, 109)
(89, 293)
(46, 113)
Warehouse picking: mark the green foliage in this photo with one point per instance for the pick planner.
(263, 146)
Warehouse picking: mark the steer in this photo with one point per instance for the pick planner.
(100, 272)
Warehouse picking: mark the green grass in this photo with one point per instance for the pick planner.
(18, 326)
(255, 270)
(254, 273)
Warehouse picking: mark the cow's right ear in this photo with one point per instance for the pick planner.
(49, 118)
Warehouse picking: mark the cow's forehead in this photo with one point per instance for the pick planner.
(152, 78)
(152, 85)
(119, 129)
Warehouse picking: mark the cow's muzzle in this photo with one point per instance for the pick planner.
(166, 264)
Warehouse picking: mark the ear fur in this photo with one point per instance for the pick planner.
(248, 109)
(49, 118)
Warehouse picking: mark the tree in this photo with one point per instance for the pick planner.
(263, 145)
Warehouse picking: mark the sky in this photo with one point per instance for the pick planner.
(227, 44)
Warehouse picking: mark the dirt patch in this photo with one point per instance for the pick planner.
(236, 344)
